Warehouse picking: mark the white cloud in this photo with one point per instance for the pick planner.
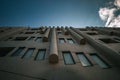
(104, 13)
(117, 3)
(115, 22)
(107, 14)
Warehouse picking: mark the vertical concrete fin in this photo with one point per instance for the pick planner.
(53, 57)
(65, 31)
(79, 38)
(46, 35)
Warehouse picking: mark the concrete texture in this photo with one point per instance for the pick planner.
(17, 68)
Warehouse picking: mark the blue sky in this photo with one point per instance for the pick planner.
(35, 13)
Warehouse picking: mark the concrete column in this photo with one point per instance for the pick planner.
(45, 38)
(53, 57)
(43, 30)
(79, 38)
(65, 31)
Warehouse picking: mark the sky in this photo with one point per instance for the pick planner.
(36, 13)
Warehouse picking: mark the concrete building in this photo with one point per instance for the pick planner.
(58, 53)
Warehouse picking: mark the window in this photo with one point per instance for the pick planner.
(34, 29)
(29, 32)
(28, 53)
(20, 32)
(20, 38)
(99, 61)
(31, 38)
(59, 32)
(70, 41)
(117, 39)
(40, 54)
(68, 59)
(92, 33)
(83, 59)
(1, 31)
(5, 50)
(18, 51)
(108, 40)
(61, 40)
(10, 38)
(38, 39)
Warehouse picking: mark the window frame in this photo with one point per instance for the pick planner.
(73, 61)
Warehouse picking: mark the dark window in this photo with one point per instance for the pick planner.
(68, 59)
(61, 40)
(28, 53)
(5, 50)
(108, 40)
(70, 41)
(18, 51)
(20, 38)
(117, 39)
(34, 28)
(31, 38)
(99, 61)
(92, 33)
(10, 38)
(29, 32)
(59, 32)
(1, 31)
(83, 59)
(38, 39)
(20, 32)
(40, 54)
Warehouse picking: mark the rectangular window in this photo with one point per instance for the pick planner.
(38, 39)
(28, 53)
(108, 40)
(99, 61)
(31, 38)
(59, 32)
(29, 32)
(68, 59)
(61, 40)
(92, 33)
(20, 32)
(20, 38)
(18, 51)
(83, 29)
(83, 59)
(118, 39)
(40, 54)
(70, 41)
(5, 50)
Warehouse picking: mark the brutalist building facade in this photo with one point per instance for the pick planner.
(59, 53)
